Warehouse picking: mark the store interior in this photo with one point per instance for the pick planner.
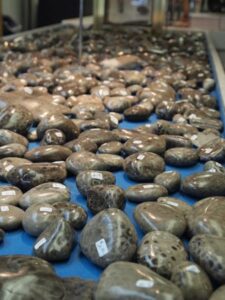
(112, 150)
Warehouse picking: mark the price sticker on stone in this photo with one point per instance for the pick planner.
(4, 208)
(101, 247)
(172, 203)
(137, 142)
(58, 185)
(144, 283)
(97, 175)
(114, 120)
(193, 269)
(148, 186)
(9, 167)
(46, 209)
(141, 157)
(208, 150)
(40, 243)
(8, 193)
(58, 134)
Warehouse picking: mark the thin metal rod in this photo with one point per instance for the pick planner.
(80, 45)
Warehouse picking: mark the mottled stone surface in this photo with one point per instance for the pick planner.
(124, 280)
(84, 160)
(170, 180)
(179, 204)
(9, 195)
(161, 252)
(56, 242)
(48, 153)
(213, 167)
(53, 137)
(110, 148)
(29, 176)
(145, 192)
(10, 137)
(160, 217)
(173, 141)
(143, 166)
(113, 162)
(72, 213)
(181, 157)
(108, 237)
(84, 144)
(49, 192)
(101, 197)
(137, 113)
(77, 288)
(219, 293)
(10, 217)
(99, 136)
(213, 150)
(207, 217)
(6, 164)
(87, 179)
(192, 280)
(12, 150)
(204, 184)
(209, 252)
(37, 217)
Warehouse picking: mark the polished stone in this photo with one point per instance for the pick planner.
(10, 137)
(6, 164)
(179, 204)
(213, 166)
(83, 144)
(113, 162)
(110, 148)
(12, 150)
(9, 195)
(10, 217)
(170, 180)
(48, 153)
(181, 157)
(218, 293)
(77, 288)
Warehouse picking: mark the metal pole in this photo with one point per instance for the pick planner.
(159, 14)
(80, 43)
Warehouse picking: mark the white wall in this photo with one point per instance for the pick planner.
(13, 8)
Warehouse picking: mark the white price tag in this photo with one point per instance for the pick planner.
(4, 208)
(46, 209)
(97, 175)
(148, 186)
(208, 150)
(58, 185)
(144, 283)
(193, 269)
(58, 134)
(9, 167)
(8, 193)
(141, 157)
(137, 142)
(114, 120)
(101, 247)
(40, 243)
(172, 203)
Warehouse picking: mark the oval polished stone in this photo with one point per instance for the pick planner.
(113, 162)
(192, 280)
(170, 180)
(219, 293)
(45, 193)
(6, 164)
(99, 136)
(151, 143)
(166, 110)
(81, 161)
(16, 118)
(56, 242)
(125, 280)
(29, 176)
(10, 137)
(72, 213)
(207, 217)
(37, 217)
(160, 217)
(209, 252)
(101, 197)
(145, 192)
(58, 122)
(10, 195)
(83, 144)
(10, 217)
(48, 153)
(12, 150)
(179, 204)
(110, 148)
(161, 252)
(53, 137)
(137, 113)
(204, 184)
(214, 150)
(181, 157)
(108, 237)
(87, 179)
(119, 103)
(166, 127)
(173, 141)
(214, 166)
(143, 166)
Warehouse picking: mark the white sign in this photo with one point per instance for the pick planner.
(101, 247)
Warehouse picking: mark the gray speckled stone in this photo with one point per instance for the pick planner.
(10, 217)
(207, 217)
(12, 150)
(124, 280)
(9, 195)
(81, 161)
(56, 242)
(213, 166)
(87, 179)
(214, 150)
(108, 237)
(170, 180)
(99, 136)
(10, 137)
(204, 184)
(48, 153)
(161, 251)
(49, 192)
(181, 157)
(179, 204)
(145, 192)
(209, 252)
(173, 141)
(53, 137)
(101, 197)
(77, 288)
(83, 144)
(192, 280)
(110, 148)
(143, 166)
(6, 164)
(219, 293)
(113, 162)
(29, 176)
(153, 216)
(37, 217)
